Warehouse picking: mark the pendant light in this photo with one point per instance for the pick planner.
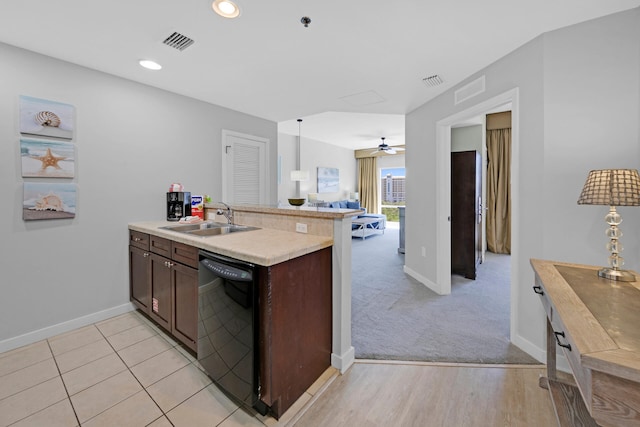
(298, 175)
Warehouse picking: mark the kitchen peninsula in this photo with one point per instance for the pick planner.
(304, 282)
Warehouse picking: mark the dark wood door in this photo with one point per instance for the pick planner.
(140, 278)
(185, 305)
(161, 290)
(466, 190)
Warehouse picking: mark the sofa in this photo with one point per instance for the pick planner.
(346, 204)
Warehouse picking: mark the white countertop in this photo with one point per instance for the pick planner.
(262, 247)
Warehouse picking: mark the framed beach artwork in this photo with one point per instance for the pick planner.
(328, 180)
(46, 118)
(48, 201)
(47, 159)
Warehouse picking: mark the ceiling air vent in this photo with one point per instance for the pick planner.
(432, 81)
(178, 41)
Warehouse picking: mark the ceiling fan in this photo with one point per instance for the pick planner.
(384, 148)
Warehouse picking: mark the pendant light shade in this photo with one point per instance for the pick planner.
(297, 174)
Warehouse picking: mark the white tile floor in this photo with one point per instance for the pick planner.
(124, 371)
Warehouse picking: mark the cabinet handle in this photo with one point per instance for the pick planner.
(137, 239)
(561, 334)
(146, 254)
(538, 290)
(168, 264)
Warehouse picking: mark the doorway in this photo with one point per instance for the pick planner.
(443, 181)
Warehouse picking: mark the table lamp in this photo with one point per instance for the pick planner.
(613, 187)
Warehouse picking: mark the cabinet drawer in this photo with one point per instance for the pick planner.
(544, 299)
(185, 254)
(569, 348)
(139, 240)
(581, 375)
(160, 246)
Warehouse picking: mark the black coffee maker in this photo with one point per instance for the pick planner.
(178, 205)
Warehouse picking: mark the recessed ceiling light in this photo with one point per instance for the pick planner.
(226, 8)
(150, 65)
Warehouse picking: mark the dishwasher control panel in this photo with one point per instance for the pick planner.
(227, 271)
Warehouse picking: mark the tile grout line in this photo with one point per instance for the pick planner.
(118, 355)
(199, 369)
(173, 347)
(75, 414)
(134, 376)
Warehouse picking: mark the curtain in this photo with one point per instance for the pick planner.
(368, 183)
(499, 191)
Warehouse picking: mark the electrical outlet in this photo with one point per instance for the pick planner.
(301, 228)
(424, 251)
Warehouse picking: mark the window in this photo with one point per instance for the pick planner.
(392, 191)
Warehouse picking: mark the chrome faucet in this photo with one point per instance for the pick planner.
(228, 214)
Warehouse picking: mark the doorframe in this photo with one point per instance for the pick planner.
(267, 143)
(443, 193)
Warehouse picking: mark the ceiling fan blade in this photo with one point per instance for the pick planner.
(398, 148)
(391, 150)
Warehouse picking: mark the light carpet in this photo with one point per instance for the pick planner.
(394, 317)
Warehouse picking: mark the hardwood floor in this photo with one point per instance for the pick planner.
(375, 393)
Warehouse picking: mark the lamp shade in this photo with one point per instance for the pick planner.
(611, 187)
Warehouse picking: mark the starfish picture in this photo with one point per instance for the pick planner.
(49, 160)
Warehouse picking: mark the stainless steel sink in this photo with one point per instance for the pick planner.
(221, 230)
(208, 228)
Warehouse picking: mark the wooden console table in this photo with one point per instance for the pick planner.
(596, 322)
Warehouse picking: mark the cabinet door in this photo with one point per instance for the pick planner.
(185, 305)
(140, 278)
(160, 309)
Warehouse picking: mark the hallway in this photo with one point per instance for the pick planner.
(394, 317)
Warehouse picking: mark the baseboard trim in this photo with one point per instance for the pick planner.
(562, 364)
(69, 325)
(529, 348)
(344, 362)
(428, 283)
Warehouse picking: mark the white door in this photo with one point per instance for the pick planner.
(245, 171)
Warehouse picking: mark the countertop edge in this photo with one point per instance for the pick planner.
(261, 249)
(303, 211)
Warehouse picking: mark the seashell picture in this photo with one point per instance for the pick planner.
(48, 201)
(47, 159)
(46, 118)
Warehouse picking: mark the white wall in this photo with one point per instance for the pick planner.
(579, 107)
(132, 142)
(467, 138)
(314, 154)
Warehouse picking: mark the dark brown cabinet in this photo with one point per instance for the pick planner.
(163, 281)
(294, 311)
(139, 270)
(139, 274)
(161, 291)
(295, 327)
(184, 299)
(466, 213)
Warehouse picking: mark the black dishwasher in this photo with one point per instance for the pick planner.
(228, 326)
